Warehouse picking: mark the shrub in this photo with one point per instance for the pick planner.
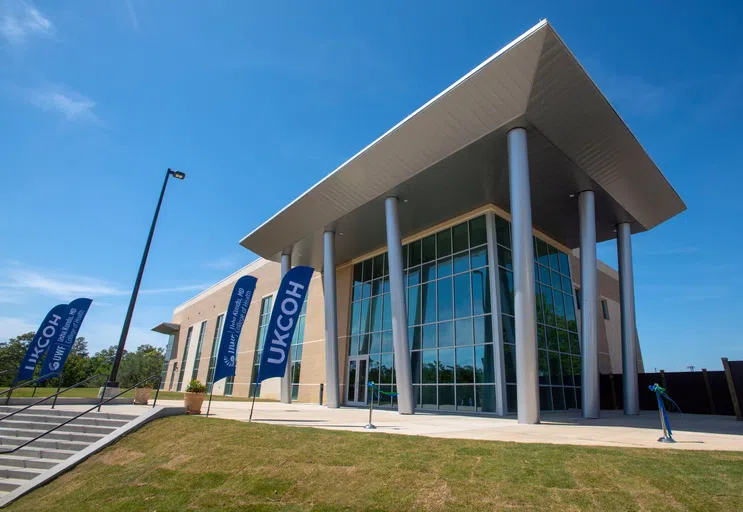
(195, 386)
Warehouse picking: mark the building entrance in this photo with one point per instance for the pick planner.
(356, 377)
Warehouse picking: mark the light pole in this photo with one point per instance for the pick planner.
(112, 382)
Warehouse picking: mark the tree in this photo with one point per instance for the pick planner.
(136, 366)
(78, 367)
(11, 356)
(102, 361)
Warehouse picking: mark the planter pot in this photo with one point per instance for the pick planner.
(142, 396)
(193, 402)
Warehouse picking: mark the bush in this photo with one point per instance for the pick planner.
(195, 386)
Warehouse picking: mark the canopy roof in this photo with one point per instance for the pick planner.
(450, 157)
(167, 328)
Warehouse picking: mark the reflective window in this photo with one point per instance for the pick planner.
(557, 331)
(450, 324)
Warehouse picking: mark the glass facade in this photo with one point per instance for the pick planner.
(215, 351)
(168, 355)
(450, 321)
(199, 345)
(297, 346)
(183, 358)
(265, 317)
(557, 329)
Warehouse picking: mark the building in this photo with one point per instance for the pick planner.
(455, 256)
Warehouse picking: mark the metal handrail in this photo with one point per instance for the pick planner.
(55, 395)
(97, 406)
(24, 384)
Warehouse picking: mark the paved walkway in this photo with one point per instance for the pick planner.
(692, 432)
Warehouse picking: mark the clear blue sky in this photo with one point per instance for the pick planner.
(258, 101)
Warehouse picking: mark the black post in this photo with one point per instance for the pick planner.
(112, 382)
(208, 407)
(250, 418)
(59, 386)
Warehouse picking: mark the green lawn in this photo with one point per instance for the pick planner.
(191, 463)
(93, 393)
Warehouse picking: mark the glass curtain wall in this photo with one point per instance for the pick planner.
(168, 355)
(449, 320)
(557, 329)
(199, 345)
(215, 351)
(297, 346)
(265, 317)
(183, 358)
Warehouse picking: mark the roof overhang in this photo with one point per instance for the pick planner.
(450, 157)
(167, 328)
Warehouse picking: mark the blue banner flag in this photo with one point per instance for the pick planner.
(38, 346)
(286, 309)
(242, 295)
(62, 344)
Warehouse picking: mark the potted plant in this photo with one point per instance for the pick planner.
(142, 395)
(194, 397)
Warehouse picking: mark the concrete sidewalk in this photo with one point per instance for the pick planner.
(692, 432)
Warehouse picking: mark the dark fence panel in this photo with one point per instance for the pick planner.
(688, 390)
(721, 393)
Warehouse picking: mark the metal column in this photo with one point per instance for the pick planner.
(331, 320)
(286, 381)
(629, 334)
(589, 305)
(399, 315)
(527, 383)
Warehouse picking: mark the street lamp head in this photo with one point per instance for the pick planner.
(177, 174)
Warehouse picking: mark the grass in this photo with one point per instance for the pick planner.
(191, 463)
(93, 393)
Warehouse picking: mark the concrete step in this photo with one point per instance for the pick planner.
(8, 484)
(19, 473)
(43, 427)
(56, 420)
(61, 436)
(26, 462)
(46, 454)
(43, 410)
(8, 443)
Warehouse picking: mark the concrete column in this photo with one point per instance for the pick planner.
(629, 334)
(331, 322)
(501, 407)
(589, 305)
(399, 316)
(527, 377)
(286, 381)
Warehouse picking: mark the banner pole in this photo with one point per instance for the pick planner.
(59, 385)
(208, 408)
(250, 418)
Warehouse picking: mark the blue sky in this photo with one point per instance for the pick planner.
(258, 101)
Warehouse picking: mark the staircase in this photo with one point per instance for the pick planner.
(58, 450)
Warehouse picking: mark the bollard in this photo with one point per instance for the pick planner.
(322, 386)
(370, 425)
(660, 393)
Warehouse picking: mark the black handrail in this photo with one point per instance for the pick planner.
(55, 395)
(24, 384)
(98, 406)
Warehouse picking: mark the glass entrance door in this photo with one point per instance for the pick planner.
(358, 370)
